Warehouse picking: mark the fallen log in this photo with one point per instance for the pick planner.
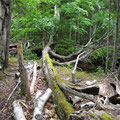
(79, 94)
(34, 78)
(64, 108)
(39, 104)
(18, 112)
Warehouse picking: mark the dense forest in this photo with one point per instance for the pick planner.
(59, 59)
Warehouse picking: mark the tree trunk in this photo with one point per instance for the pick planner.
(116, 38)
(108, 40)
(5, 19)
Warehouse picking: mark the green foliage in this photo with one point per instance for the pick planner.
(100, 70)
(69, 65)
(29, 55)
(51, 115)
(54, 105)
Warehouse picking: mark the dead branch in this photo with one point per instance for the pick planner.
(39, 104)
(80, 59)
(18, 112)
(75, 67)
(71, 55)
(34, 78)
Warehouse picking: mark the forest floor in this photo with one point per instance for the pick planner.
(8, 82)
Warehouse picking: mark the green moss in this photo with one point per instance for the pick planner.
(39, 62)
(61, 99)
(79, 74)
(93, 115)
(105, 116)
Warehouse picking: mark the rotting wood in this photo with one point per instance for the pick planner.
(39, 104)
(64, 108)
(18, 112)
(25, 89)
(34, 78)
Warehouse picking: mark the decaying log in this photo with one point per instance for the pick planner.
(39, 104)
(79, 94)
(23, 73)
(34, 78)
(18, 112)
(63, 109)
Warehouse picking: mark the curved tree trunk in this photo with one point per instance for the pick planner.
(64, 109)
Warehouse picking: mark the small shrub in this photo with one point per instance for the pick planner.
(100, 70)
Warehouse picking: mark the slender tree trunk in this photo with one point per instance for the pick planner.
(70, 33)
(107, 57)
(116, 38)
(57, 13)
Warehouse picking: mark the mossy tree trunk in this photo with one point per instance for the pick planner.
(64, 109)
(25, 87)
(5, 20)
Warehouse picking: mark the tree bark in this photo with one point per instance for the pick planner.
(5, 19)
(116, 38)
(108, 39)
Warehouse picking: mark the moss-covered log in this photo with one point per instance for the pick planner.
(64, 108)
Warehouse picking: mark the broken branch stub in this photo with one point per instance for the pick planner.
(25, 89)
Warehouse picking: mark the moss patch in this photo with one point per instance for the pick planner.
(105, 116)
(79, 74)
(93, 115)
